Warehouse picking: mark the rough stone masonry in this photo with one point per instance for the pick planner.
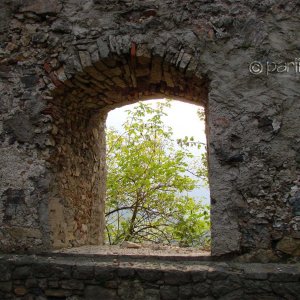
(86, 278)
(65, 63)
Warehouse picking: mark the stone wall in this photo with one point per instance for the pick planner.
(64, 64)
(89, 278)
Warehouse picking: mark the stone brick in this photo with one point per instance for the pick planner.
(20, 127)
(224, 287)
(217, 274)
(58, 293)
(111, 284)
(83, 272)
(176, 277)
(201, 289)
(149, 275)
(185, 291)
(103, 274)
(20, 290)
(143, 55)
(168, 292)
(95, 74)
(126, 272)
(53, 271)
(285, 276)
(22, 272)
(156, 70)
(289, 245)
(287, 290)
(5, 271)
(256, 286)
(85, 58)
(113, 72)
(131, 290)
(41, 7)
(31, 282)
(119, 82)
(199, 276)
(103, 48)
(72, 284)
(95, 292)
(5, 286)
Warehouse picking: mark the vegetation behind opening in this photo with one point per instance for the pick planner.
(149, 179)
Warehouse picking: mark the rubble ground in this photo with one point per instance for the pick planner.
(137, 250)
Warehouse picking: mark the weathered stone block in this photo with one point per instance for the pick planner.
(152, 294)
(41, 7)
(22, 272)
(85, 58)
(257, 286)
(199, 276)
(223, 287)
(83, 272)
(185, 291)
(31, 282)
(103, 48)
(103, 274)
(20, 290)
(201, 289)
(58, 293)
(176, 277)
(295, 203)
(72, 284)
(149, 275)
(156, 70)
(286, 290)
(131, 290)
(126, 272)
(168, 292)
(6, 286)
(94, 292)
(289, 245)
(20, 127)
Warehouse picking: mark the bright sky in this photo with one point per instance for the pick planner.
(181, 117)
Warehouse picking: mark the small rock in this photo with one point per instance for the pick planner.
(131, 245)
(289, 245)
(20, 291)
(61, 26)
(157, 247)
(40, 38)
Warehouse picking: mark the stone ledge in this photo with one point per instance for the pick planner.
(90, 278)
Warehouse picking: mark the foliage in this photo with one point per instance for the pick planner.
(200, 165)
(147, 183)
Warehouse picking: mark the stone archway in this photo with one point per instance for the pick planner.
(79, 110)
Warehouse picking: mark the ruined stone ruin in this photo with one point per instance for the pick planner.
(65, 63)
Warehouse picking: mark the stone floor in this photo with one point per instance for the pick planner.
(142, 250)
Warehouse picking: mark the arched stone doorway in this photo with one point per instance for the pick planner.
(78, 158)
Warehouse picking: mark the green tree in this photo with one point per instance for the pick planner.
(147, 183)
(199, 163)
